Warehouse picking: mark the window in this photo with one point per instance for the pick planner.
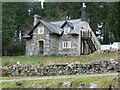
(66, 30)
(41, 30)
(66, 44)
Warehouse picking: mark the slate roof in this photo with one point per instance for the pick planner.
(56, 26)
(52, 27)
(76, 24)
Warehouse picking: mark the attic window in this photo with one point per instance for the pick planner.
(66, 30)
(41, 30)
(66, 44)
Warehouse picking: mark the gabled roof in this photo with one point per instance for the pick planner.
(68, 23)
(56, 27)
(53, 28)
(75, 23)
(29, 34)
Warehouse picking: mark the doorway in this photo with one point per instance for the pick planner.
(41, 47)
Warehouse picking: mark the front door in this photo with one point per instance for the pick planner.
(41, 48)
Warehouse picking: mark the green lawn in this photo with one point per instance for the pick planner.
(101, 81)
(47, 60)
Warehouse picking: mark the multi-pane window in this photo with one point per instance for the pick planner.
(66, 44)
(41, 30)
(66, 30)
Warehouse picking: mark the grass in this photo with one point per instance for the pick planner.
(47, 60)
(101, 81)
(20, 77)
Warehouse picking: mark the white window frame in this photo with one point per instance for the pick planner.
(66, 44)
(66, 30)
(40, 30)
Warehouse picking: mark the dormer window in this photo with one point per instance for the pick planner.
(41, 30)
(66, 30)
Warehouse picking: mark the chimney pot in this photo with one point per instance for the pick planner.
(84, 5)
(36, 19)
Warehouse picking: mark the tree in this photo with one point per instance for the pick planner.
(16, 19)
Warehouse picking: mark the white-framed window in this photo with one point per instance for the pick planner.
(66, 44)
(41, 30)
(66, 30)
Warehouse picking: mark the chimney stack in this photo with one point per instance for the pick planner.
(36, 19)
(84, 13)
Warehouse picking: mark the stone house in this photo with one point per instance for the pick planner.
(66, 37)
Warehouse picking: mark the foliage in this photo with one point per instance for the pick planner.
(16, 18)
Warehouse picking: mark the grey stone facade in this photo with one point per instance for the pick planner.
(52, 44)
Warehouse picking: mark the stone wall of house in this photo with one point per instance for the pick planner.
(56, 47)
(54, 43)
(73, 51)
(32, 45)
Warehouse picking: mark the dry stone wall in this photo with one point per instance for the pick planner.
(65, 69)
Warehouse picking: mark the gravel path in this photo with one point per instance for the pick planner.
(56, 77)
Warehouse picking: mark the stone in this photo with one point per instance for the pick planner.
(5, 71)
(93, 85)
(18, 63)
(68, 84)
(82, 85)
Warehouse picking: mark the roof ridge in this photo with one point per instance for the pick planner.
(50, 23)
(65, 20)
